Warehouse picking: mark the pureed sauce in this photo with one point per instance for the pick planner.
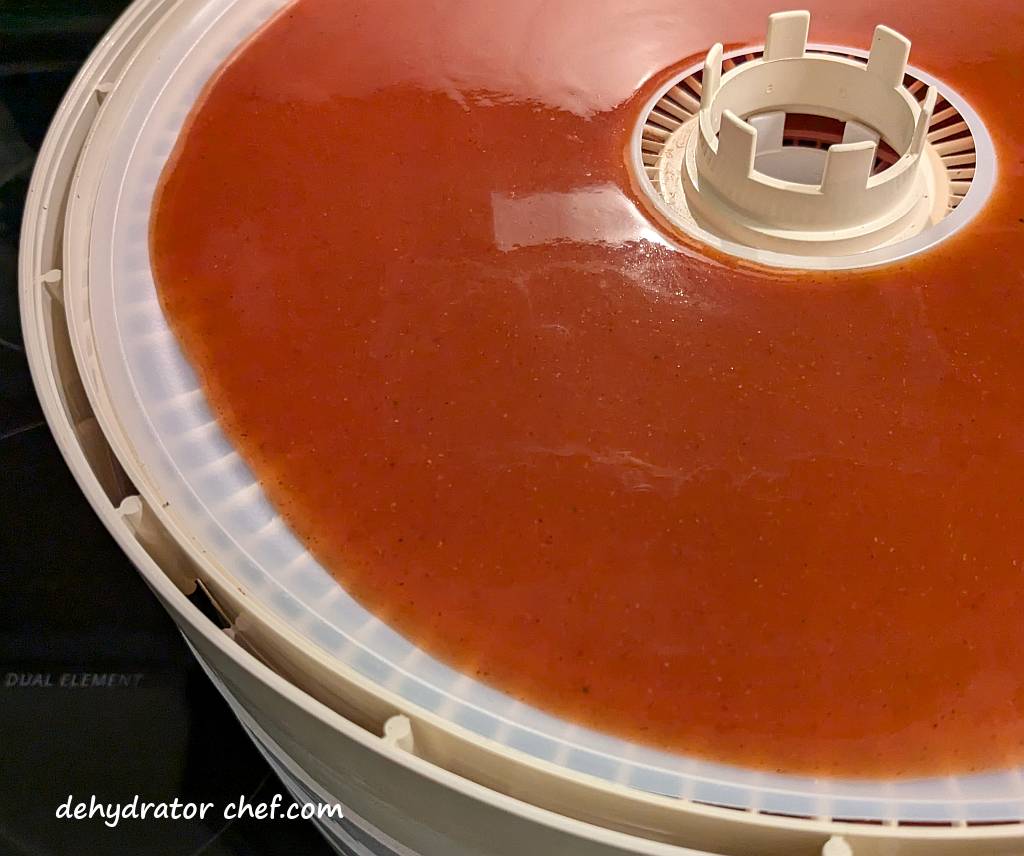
(770, 518)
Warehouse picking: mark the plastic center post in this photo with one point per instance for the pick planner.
(728, 171)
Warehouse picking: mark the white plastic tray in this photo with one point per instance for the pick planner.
(214, 496)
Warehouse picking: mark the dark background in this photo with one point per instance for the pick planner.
(70, 601)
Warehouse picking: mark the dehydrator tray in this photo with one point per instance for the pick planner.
(202, 489)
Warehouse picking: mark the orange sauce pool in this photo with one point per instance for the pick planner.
(768, 518)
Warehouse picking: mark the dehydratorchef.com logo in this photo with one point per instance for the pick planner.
(277, 808)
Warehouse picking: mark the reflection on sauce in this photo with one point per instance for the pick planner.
(587, 215)
(772, 519)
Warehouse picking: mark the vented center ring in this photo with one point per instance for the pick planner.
(793, 151)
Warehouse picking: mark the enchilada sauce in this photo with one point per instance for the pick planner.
(770, 518)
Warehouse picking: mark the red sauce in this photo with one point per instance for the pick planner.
(770, 518)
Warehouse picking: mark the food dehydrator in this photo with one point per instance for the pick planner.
(423, 759)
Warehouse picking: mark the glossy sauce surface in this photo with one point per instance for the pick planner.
(769, 518)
